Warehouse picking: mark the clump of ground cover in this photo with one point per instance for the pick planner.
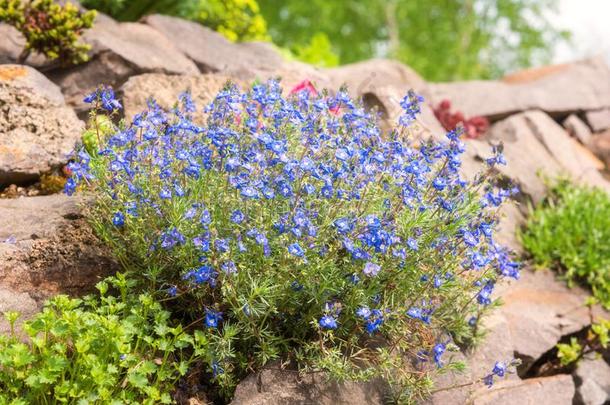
(50, 28)
(292, 228)
(570, 232)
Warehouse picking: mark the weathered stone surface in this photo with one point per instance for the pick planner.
(37, 130)
(386, 99)
(540, 310)
(165, 89)
(12, 44)
(47, 248)
(558, 90)
(577, 129)
(444, 383)
(279, 387)
(535, 145)
(600, 145)
(599, 120)
(120, 50)
(210, 50)
(15, 301)
(592, 378)
(556, 390)
(371, 75)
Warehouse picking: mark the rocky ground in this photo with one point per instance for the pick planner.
(553, 120)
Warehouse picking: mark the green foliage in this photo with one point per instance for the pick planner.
(317, 52)
(49, 28)
(569, 353)
(596, 341)
(103, 349)
(483, 38)
(571, 232)
(235, 19)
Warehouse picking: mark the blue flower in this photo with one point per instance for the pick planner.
(363, 312)
(344, 225)
(371, 269)
(118, 219)
(412, 244)
(328, 322)
(217, 369)
(296, 250)
(438, 350)
(212, 318)
(70, 186)
(172, 291)
(499, 369)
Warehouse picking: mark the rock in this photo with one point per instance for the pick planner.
(371, 75)
(166, 88)
(120, 50)
(278, 387)
(577, 129)
(592, 377)
(600, 145)
(211, 51)
(539, 310)
(511, 219)
(37, 130)
(11, 46)
(443, 383)
(386, 100)
(558, 90)
(556, 390)
(15, 301)
(535, 146)
(47, 248)
(599, 120)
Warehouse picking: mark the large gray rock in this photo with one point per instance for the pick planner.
(592, 377)
(600, 145)
(46, 248)
(535, 146)
(578, 129)
(386, 100)
(165, 89)
(211, 51)
(599, 120)
(556, 390)
(371, 75)
(244, 61)
(558, 90)
(20, 302)
(279, 387)
(12, 43)
(539, 310)
(37, 130)
(120, 50)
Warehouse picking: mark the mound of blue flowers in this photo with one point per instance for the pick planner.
(292, 228)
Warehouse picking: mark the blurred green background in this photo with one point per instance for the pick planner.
(441, 39)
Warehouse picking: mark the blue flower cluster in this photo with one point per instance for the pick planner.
(304, 196)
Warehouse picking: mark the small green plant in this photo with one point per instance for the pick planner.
(595, 341)
(103, 349)
(49, 28)
(317, 52)
(571, 232)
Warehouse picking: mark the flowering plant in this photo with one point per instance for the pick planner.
(292, 228)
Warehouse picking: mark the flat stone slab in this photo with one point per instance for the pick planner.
(556, 390)
(558, 90)
(47, 248)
